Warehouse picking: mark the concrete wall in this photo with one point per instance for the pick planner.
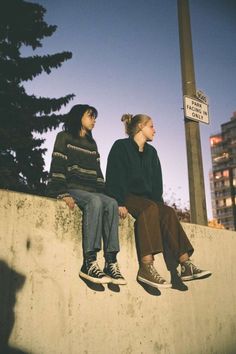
(45, 308)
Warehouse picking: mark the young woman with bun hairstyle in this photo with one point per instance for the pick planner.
(134, 179)
(76, 178)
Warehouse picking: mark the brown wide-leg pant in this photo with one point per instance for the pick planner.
(157, 228)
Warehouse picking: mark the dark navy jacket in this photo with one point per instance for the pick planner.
(132, 172)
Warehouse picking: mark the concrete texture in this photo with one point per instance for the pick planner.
(45, 308)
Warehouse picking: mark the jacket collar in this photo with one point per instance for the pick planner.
(136, 145)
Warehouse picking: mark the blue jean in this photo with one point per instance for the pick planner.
(100, 221)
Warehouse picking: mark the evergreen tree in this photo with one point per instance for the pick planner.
(21, 115)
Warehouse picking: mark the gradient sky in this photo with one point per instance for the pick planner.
(126, 59)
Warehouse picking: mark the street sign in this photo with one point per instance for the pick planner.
(196, 110)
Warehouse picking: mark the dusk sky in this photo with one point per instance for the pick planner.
(126, 60)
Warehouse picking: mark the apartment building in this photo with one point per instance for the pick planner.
(223, 174)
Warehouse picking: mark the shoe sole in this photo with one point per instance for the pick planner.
(104, 280)
(196, 276)
(163, 286)
(119, 281)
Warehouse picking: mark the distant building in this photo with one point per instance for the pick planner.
(223, 174)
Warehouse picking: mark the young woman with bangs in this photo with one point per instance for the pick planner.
(76, 178)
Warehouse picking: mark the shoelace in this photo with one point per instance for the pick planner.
(192, 266)
(115, 269)
(156, 275)
(95, 269)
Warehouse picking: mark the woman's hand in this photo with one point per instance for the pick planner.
(123, 212)
(69, 201)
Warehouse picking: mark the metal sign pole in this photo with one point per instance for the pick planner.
(192, 131)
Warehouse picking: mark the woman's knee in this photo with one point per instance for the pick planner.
(169, 211)
(152, 207)
(94, 202)
(111, 204)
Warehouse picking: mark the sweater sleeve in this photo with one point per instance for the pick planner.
(157, 179)
(57, 185)
(116, 174)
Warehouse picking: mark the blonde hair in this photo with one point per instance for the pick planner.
(132, 123)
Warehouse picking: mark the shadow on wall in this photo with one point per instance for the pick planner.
(10, 283)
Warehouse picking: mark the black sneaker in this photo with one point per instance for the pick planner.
(190, 272)
(113, 271)
(91, 271)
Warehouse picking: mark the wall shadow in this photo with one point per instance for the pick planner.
(10, 283)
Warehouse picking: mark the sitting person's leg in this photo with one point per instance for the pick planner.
(111, 246)
(92, 208)
(149, 241)
(179, 244)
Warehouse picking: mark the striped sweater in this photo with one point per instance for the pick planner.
(75, 165)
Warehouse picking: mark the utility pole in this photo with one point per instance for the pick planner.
(192, 131)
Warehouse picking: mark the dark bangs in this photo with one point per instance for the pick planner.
(72, 123)
(92, 111)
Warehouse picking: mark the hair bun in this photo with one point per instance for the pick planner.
(126, 118)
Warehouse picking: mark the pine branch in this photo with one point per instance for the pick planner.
(22, 22)
(28, 68)
(46, 106)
